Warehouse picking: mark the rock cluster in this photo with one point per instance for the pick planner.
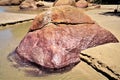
(32, 4)
(76, 3)
(58, 35)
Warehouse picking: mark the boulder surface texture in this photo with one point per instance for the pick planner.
(58, 35)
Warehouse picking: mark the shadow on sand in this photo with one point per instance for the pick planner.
(111, 14)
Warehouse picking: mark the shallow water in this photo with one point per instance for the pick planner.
(15, 9)
(1, 9)
(10, 38)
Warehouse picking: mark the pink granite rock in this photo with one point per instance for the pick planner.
(56, 37)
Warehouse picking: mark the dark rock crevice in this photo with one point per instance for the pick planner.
(56, 23)
(59, 23)
(12, 23)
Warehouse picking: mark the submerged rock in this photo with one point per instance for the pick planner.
(56, 38)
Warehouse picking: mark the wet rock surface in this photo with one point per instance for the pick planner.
(55, 42)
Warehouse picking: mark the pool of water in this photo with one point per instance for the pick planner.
(11, 36)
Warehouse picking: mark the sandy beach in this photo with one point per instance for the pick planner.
(99, 63)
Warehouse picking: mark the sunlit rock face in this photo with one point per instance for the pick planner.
(61, 15)
(64, 2)
(58, 35)
(28, 4)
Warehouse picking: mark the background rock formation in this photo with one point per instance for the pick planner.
(10, 2)
(82, 4)
(56, 37)
(28, 4)
(64, 2)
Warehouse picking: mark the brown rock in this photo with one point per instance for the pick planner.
(4, 2)
(61, 14)
(28, 4)
(16, 2)
(44, 4)
(82, 4)
(39, 4)
(10, 2)
(64, 2)
(58, 43)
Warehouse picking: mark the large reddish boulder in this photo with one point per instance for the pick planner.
(82, 4)
(64, 2)
(56, 37)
